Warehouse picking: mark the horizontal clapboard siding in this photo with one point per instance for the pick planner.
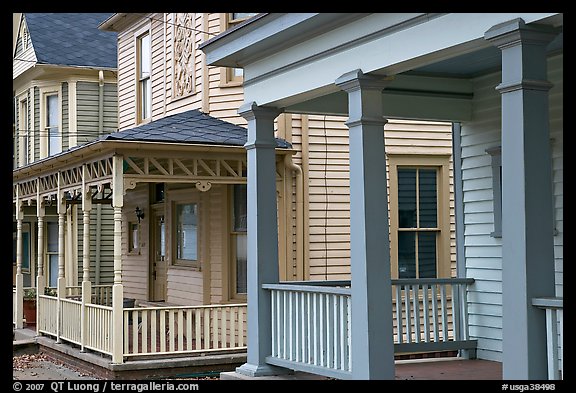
(484, 252)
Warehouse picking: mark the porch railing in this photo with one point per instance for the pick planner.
(311, 321)
(554, 307)
(184, 329)
(101, 293)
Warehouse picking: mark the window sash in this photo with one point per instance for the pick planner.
(52, 128)
(144, 73)
(186, 232)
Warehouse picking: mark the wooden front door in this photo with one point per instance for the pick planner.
(158, 259)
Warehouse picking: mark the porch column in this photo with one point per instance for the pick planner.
(40, 278)
(61, 283)
(527, 215)
(117, 288)
(19, 277)
(372, 347)
(262, 228)
(86, 284)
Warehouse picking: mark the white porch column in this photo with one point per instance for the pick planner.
(262, 228)
(527, 216)
(117, 288)
(19, 277)
(61, 283)
(40, 278)
(372, 347)
(86, 284)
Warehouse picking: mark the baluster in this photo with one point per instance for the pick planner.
(180, 329)
(444, 312)
(198, 328)
(144, 330)
(162, 331)
(408, 313)
(416, 303)
(189, 336)
(426, 313)
(153, 335)
(398, 302)
(435, 313)
(223, 330)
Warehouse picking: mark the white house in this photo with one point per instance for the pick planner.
(498, 78)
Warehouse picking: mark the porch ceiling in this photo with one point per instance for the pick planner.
(442, 52)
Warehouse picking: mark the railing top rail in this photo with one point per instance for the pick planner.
(422, 281)
(184, 307)
(99, 306)
(68, 300)
(548, 302)
(319, 283)
(308, 288)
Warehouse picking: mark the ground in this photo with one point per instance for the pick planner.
(41, 366)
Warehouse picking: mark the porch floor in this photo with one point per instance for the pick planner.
(420, 369)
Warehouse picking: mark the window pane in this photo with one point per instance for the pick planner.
(145, 98)
(406, 255)
(186, 224)
(428, 199)
(54, 145)
(241, 15)
(241, 264)
(25, 250)
(53, 270)
(52, 235)
(145, 56)
(407, 198)
(427, 255)
(238, 72)
(240, 207)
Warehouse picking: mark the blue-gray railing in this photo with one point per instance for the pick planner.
(311, 321)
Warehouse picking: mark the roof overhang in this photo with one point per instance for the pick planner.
(291, 61)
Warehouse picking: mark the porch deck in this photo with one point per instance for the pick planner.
(421, 369)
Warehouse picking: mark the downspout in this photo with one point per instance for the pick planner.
(97, 259)
(289, 164)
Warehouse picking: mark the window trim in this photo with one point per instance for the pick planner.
(138, 35)
(496, 164)
(24, 133)
(441, 162)
(233, 294)
(227, 77)
(44, 137)
(183, 196)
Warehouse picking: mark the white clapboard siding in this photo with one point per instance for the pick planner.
(483, 252)
(27, 56)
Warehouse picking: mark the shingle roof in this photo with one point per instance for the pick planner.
(193, 127)
(72, 39)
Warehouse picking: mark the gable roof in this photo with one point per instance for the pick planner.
(193, 126)
(72, 39)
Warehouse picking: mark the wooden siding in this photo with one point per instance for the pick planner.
(64, 127)
(87, 110)
(484, 252)
(135, 265)
(329, 190)
(28, 56)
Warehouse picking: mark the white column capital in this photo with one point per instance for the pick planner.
(516, 31)
(356, 80)
(251, 111)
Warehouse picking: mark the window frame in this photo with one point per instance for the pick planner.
(441, 163)
(44, 132)
(179, 197)
(138, 36)
(496, 164)
(24, 133)
(233, 236)
(227, 74)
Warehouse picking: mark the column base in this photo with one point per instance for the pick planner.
(265, 370)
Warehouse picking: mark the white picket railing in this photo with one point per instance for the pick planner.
(48, 318)
(554, 307)
(98, 328)
(311, 328)
(184, 329)
(71, 320)
(311, 322)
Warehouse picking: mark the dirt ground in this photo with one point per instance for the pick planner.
(41, 366)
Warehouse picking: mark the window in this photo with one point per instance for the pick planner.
(133, 238)
(52, 252)
(144, 92)
(24, 132)
(52, 128)
(50, 120)
(496, 155)
(238, 242)
(186, 232)
(234, 76)
(419, 217)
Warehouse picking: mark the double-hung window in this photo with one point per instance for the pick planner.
(234, 76)
(419, 217)
(143, 67)
(239, 246)
(51, 140)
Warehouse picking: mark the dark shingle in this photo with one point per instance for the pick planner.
(191, 126)
(72, 39)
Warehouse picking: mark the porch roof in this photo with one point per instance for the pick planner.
(192, 126)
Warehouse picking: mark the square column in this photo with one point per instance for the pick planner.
(527, 214)
(372, 347)
(262, 228)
